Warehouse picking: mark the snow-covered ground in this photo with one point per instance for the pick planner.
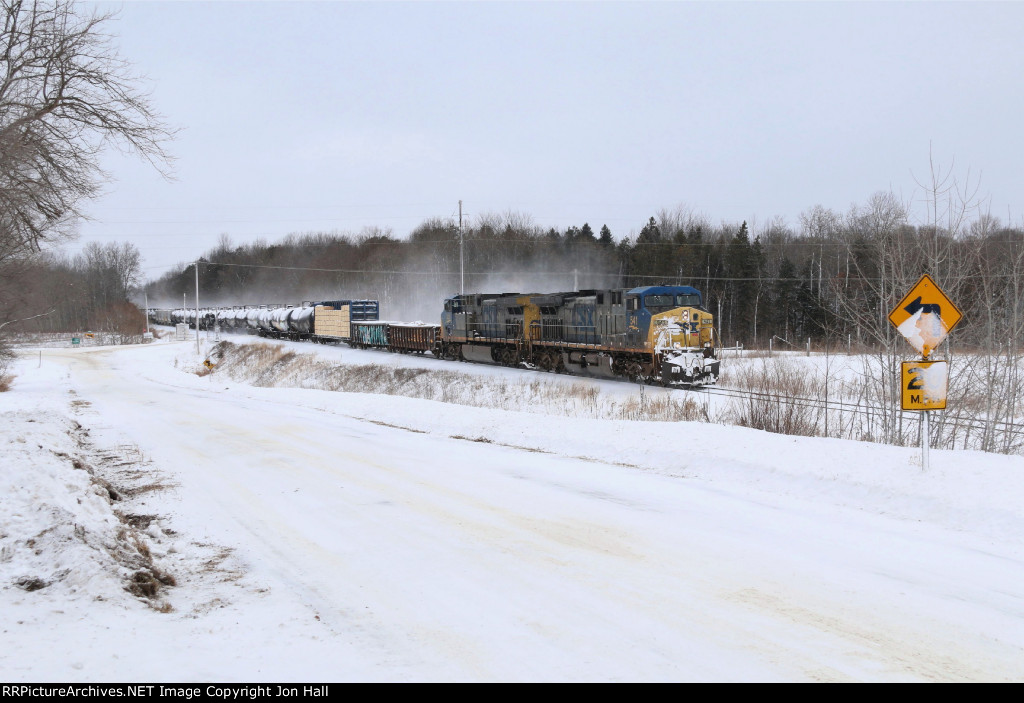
(307, 535)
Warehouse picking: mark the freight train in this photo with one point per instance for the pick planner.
(655, 334)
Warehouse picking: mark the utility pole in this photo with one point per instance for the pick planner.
(462, 266)
(146, 295)
(197, 307)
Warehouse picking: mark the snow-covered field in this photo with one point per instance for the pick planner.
(307, 535)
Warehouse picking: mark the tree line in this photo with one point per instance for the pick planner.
(833, 278)
(90, 291)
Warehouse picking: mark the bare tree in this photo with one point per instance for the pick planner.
(110, 271)
(65, 94)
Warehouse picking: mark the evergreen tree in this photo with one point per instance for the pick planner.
(785, 301)
(742, 266)
(652, 261)
(650, 233)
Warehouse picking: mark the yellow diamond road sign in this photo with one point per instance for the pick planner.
(925, 316)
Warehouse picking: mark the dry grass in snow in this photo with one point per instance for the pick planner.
(274, 366)
(781, 395)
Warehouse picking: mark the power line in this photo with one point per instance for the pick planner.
(494, 272)
(248, 221)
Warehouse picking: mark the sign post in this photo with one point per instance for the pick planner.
(925, 318)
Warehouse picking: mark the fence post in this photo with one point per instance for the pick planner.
(808, 346)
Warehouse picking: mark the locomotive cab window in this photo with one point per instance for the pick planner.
(633, 303)
(659, 303)
(691, 300)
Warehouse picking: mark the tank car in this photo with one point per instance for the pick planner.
(278, 319)
(226, 319)
(300, 322)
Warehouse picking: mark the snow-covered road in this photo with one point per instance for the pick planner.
(386, 552)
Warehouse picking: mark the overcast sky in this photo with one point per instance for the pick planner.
(320, 116)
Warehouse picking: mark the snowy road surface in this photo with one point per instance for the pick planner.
(378, 552)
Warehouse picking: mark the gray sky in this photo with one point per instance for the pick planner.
(301, 117)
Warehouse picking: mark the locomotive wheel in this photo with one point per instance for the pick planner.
(634, 371)
(559, 362)
(453, 352)
(618, 366)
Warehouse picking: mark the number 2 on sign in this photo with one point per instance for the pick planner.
(916, 381)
